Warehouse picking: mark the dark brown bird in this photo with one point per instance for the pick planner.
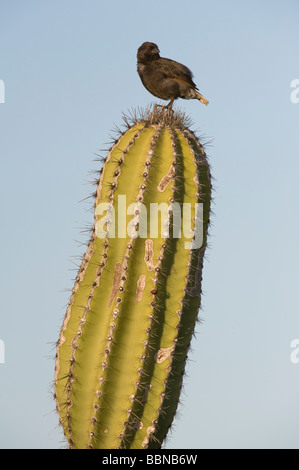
(165, 78)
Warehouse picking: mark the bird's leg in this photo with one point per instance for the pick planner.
(169, 106)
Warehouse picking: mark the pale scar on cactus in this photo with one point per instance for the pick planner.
(124, 340)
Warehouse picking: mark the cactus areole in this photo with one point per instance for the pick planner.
(124, 340)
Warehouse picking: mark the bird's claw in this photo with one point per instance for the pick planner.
(168, 107)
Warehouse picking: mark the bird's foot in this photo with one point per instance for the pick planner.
(167, 108)
(156, 106)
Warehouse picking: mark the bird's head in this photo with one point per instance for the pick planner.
(147, 51)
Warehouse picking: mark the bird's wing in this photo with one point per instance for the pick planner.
(176, 72)
(181, 81)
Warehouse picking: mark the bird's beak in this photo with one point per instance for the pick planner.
(156, 51)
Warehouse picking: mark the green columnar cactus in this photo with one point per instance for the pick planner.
(127, 329)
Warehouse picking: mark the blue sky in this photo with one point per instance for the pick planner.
(69, 69)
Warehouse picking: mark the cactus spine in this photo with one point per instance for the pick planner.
(127, 329)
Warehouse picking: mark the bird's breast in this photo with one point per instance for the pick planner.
(140, 68)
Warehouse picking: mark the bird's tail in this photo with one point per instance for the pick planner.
(201, 98)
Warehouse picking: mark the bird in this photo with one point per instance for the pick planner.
(165, 78)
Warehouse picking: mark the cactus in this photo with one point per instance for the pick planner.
(124, 340)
